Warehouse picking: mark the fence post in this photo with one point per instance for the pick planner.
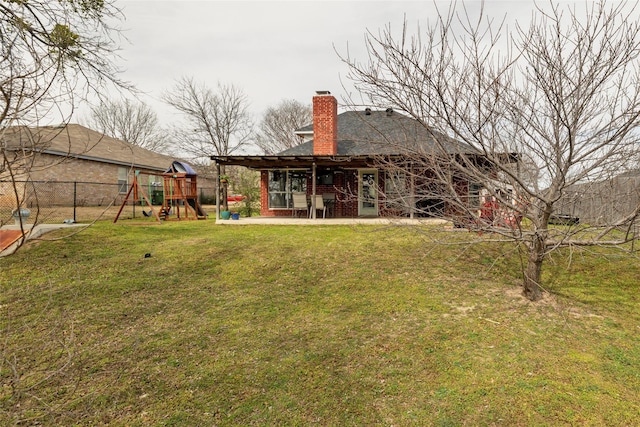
(75, 195)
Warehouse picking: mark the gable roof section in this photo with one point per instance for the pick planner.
(78, 142)
(362, 135)
(373, 133)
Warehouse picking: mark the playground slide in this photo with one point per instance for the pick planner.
(196, 207)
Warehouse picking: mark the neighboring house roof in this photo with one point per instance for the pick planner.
(78, 142)
(367, 133)
(633, 173)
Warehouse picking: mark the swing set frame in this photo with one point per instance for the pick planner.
(180, 198)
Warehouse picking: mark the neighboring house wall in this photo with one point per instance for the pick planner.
(71, 169)
(52, 179)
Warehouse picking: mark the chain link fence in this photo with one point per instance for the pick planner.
(52, 202)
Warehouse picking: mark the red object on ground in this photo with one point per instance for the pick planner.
(8, 237)
(235, 198)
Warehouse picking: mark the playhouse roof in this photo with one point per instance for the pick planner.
(182, 167)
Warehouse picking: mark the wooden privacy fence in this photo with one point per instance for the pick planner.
(601, 203)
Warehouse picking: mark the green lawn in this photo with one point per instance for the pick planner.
(332, 326)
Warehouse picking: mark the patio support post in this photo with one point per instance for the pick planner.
(313, 190)
(218, 191)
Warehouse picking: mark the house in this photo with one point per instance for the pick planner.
(46, 162)
(361, 162)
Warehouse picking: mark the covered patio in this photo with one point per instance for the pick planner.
(364, 164)
(333, 177)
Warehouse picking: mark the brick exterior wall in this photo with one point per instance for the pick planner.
(345, 187)
(347, 205)
(54, 176)
(51, 168)
(325, 125)
(264, 194)
(56, 168)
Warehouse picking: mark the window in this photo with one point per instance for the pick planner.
(154, 180)
(475, 193)
(282, 184)
(123, 179)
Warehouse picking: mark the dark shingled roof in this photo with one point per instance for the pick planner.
(363, 136)
(362, 133)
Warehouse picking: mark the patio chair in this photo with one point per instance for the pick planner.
(320, 205)
(300, 204)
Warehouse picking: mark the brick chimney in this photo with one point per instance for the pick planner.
(325, 124)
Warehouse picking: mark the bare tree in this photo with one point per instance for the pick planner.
(276, 131)
(132, 122)
(217, 123)
(561, 95)
(52, 54)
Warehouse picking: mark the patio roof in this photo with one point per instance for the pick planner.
(339, 162)
(303, 162)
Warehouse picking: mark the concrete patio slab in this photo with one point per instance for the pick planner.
(332, 221)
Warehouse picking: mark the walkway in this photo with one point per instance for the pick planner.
(11, 235)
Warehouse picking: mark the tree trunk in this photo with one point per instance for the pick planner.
(533, 272)
(225, 200)
(224, 186)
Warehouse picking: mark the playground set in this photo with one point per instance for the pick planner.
(179, 195)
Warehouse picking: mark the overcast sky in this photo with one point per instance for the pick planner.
(272, 50)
